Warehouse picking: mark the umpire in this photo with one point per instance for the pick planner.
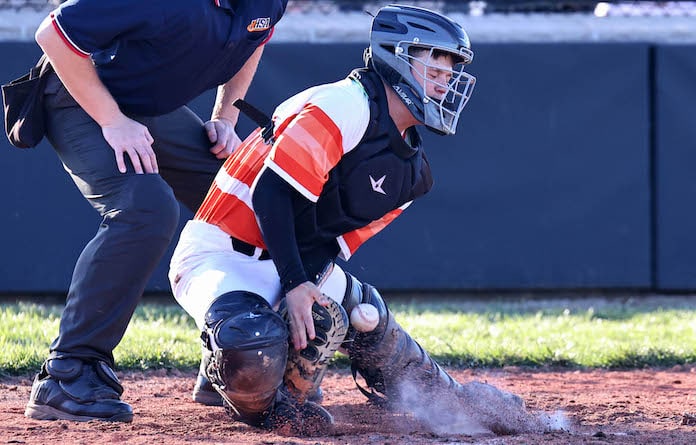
(116, 117)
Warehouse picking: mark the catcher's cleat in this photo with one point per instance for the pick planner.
(204, 393)
(289, 417)
(306, 368)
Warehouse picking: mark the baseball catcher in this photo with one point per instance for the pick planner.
(335, 165)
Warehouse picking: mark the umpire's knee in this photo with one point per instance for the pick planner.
(150, 207)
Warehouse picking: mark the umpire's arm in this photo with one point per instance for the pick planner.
(79, 76)
(224, 117)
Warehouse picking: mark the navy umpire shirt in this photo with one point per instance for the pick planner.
(156, 55)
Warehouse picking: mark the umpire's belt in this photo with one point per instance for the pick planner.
(249, 249)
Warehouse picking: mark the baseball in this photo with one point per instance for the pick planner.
(364, 317)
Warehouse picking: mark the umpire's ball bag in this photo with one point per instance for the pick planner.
(23, 104)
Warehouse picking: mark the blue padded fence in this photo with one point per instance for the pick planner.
(571, 169)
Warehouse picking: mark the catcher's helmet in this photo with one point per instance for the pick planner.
(422, 55)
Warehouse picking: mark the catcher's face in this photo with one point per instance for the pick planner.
(434, 72)
(444, 85)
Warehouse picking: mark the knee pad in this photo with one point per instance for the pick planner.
(249, 345)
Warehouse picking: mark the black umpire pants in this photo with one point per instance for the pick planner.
(139, 214)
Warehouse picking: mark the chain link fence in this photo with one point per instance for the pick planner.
(319, 21)
(33, 5)
(358, 5)
(475, 7)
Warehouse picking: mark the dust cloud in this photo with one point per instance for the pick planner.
(474, 409)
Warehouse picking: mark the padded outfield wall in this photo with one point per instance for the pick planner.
(570, 170)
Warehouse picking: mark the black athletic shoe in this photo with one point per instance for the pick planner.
(70, 389)
(203, 391)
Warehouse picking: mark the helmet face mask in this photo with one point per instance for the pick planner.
(422, 56)
(441, 82)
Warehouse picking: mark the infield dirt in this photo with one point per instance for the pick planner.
(649, 406)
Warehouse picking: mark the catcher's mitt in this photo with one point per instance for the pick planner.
(306, 368)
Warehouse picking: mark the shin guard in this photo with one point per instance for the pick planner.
(401, 375)
(387, 357)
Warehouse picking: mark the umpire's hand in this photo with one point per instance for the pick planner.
(127, 136)
(221, 133)
(300, 301)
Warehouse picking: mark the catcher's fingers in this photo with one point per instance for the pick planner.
(298, 332)
(309, 325)
(323, 300)
(306, 324)
(308, 320)
(302, 330)
(299, 302)
(302, 327)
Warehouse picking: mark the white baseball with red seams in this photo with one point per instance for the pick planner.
(364, 317)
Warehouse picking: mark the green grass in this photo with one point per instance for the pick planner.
(567, 333)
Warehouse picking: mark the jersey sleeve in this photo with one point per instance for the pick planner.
(88, 26)
(314, 132)
(350, 241)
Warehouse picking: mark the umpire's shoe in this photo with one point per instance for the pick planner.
(71, 389)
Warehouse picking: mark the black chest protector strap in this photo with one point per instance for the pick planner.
(381, 128)
(382, 134)
(259, 118)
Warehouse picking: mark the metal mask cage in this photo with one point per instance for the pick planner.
(455, 87)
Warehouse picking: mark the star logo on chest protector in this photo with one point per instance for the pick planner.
(377, 185)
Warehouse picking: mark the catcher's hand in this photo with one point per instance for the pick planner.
(306, 367)
(299, 303)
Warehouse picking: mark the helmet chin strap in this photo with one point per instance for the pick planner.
(405, 107)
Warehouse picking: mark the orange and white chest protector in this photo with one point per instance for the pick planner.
(312, 132)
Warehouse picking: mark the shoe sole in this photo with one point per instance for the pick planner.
(45, 412)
